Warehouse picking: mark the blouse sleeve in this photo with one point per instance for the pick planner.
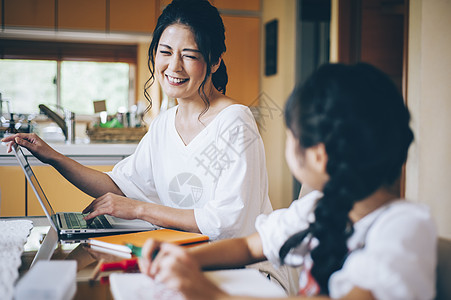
(240, 190)
(276, 228)
(134, 176)
(398, 260)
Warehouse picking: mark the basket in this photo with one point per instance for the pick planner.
(116, 135)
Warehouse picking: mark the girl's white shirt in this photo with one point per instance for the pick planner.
(393, 250)
(221, 173)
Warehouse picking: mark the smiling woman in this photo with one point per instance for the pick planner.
(201, 165)
(180, 66)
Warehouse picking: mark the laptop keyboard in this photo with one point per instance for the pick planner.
(76, 221)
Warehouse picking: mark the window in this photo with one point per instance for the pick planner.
(27, 83)
(83, 82)
(67, 75)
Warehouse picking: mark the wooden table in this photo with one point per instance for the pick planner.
(87, 259)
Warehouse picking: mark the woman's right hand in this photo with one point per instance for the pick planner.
(40, 149)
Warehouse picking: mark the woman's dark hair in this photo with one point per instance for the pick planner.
(359, 115)
(209, 33)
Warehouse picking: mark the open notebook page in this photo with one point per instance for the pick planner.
(244, 282)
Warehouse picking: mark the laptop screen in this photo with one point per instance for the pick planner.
(33, 181)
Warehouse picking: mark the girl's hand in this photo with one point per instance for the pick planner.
(148, 253)
(114, 205)
(40, 149)
(174, 267)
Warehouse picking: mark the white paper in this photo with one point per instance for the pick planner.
(244, 282)
(137, 286)
(13, 236)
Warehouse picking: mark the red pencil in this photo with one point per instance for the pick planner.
(126, 264)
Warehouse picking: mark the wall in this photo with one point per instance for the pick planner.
(333, 55)
(275, 90)
(429, 64)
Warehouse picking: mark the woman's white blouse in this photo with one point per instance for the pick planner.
(221, 173)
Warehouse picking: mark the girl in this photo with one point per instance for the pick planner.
(348, 135)
(201, 166)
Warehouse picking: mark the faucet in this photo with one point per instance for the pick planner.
(8, 105)
(67, 124)
(3, 121)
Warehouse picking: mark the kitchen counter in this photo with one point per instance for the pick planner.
(88, 154)
(95, 149)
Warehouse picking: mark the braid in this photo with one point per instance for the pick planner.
(294, 241)
(332, 227)
(360, 117)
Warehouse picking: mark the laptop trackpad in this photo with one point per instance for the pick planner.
(132, 224)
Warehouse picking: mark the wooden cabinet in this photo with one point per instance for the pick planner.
(29, 13)
(137, 16)
(62, 195)
(242, 58)
(82, 15)
(12, 191)
(18, 199)
(247, 5)
(133, 15)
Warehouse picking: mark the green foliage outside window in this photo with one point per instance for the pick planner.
(28, 83)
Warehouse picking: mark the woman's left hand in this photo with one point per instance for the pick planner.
(114, 205)
(179, 271)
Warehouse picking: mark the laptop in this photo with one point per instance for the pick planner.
(71, 225)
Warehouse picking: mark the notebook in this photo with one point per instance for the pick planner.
(238, 282)
(116, 244)
(66, 223)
